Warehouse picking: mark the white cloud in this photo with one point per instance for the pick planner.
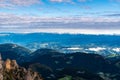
(84, 0)
(69, 1)
(74, 48)
(61, 1)
(13, 3)
(97, 49)
(12, 18)
(25, 2)
(116, 49)
(35, 22)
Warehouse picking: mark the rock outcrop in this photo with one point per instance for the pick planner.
(10, 70)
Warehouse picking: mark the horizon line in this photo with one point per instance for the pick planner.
(64, 31)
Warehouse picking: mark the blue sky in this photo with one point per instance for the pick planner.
(61, 8)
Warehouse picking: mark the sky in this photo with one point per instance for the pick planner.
(61, 8)
(35, 13)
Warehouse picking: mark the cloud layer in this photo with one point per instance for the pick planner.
(24, 2)
(11, 21)
(14, 3)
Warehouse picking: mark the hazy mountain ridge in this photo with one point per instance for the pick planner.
(14, 51)
(106, 45)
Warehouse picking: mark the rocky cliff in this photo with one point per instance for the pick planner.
(10, 70)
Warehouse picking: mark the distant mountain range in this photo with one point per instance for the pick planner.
(55, 65)
(105, 45)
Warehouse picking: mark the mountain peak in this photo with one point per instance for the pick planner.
(45, 51)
